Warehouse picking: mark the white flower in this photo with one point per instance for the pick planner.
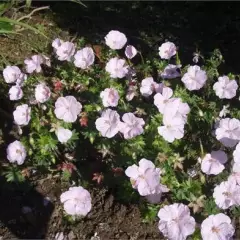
(227, 194)
(217, 227)
(16, 152)
(225, 88)
(22, 114)
(194, 78)
(115, 39)
(171, 71)
(145, 178)
(173, 128)
(236, 154)
(148, 86)
(15, 93)
(34, 64)
(175, 108)
(167, 50)
(64, 50)
(67, 108)
(12, 74)
(116, 68)
(108, 123)
(109, 97)
(130, 51)
(175, 221)
(84, 58)
(228, 129)
(131, 126)
(156, 197)
(214, 163)
(224, 111)
(63, 134)
(161, 99)
(235, 175)
(76, 201)
(42, 93)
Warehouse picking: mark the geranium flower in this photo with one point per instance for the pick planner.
(108, 123)
(173, 128)
(175, 108)
(42, 93)
(228, 129)
(16, 152)
(63, 134)
(15, 93)
(130, 51)
(22, 114)
(145, 178)
(227, 194)
(161, 99)
(194, 78)
(76, 201)
(175, 221)
(84, 58)
(115, 40)
(67, 108)
(12, 74)
(167, 50)
(235, 175)
(109, 97)
(64, 50)
(131, 126)
(34, 64)
(214, 163)
(148, 86)
(236, 154)
(225, 88)
(117, 68)
(156, 197)
(217, 227)
(171, 71)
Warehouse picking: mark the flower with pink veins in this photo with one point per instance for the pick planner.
(161, 99)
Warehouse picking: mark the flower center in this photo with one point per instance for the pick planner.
(18, 151)
(215, 229)
(227, 194)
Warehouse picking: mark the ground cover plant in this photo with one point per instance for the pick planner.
(166, 134)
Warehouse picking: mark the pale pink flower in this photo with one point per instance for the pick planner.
(194, 78)
(214, 163)
(149, 86)
(175, 222)
(115, 40)
(171, 71)
(228, 131)
(156, 197)
(225, 88)
(16, 152)
(34, 64)
(235, 175)
(109, 97)
(12, 74)
(84, 58)
(130, 51)
(15, 93)
(161, 99)
(167, 50)
(145, 177)
(172, 129)
(22, 115)
(63, 134)
(131, 126)
(76, 201)
(67, 108)
(42, 92)
(236, 154)
(108, 123)
(117, 68)
(64, 50)
(227, 194)
(217, 227)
